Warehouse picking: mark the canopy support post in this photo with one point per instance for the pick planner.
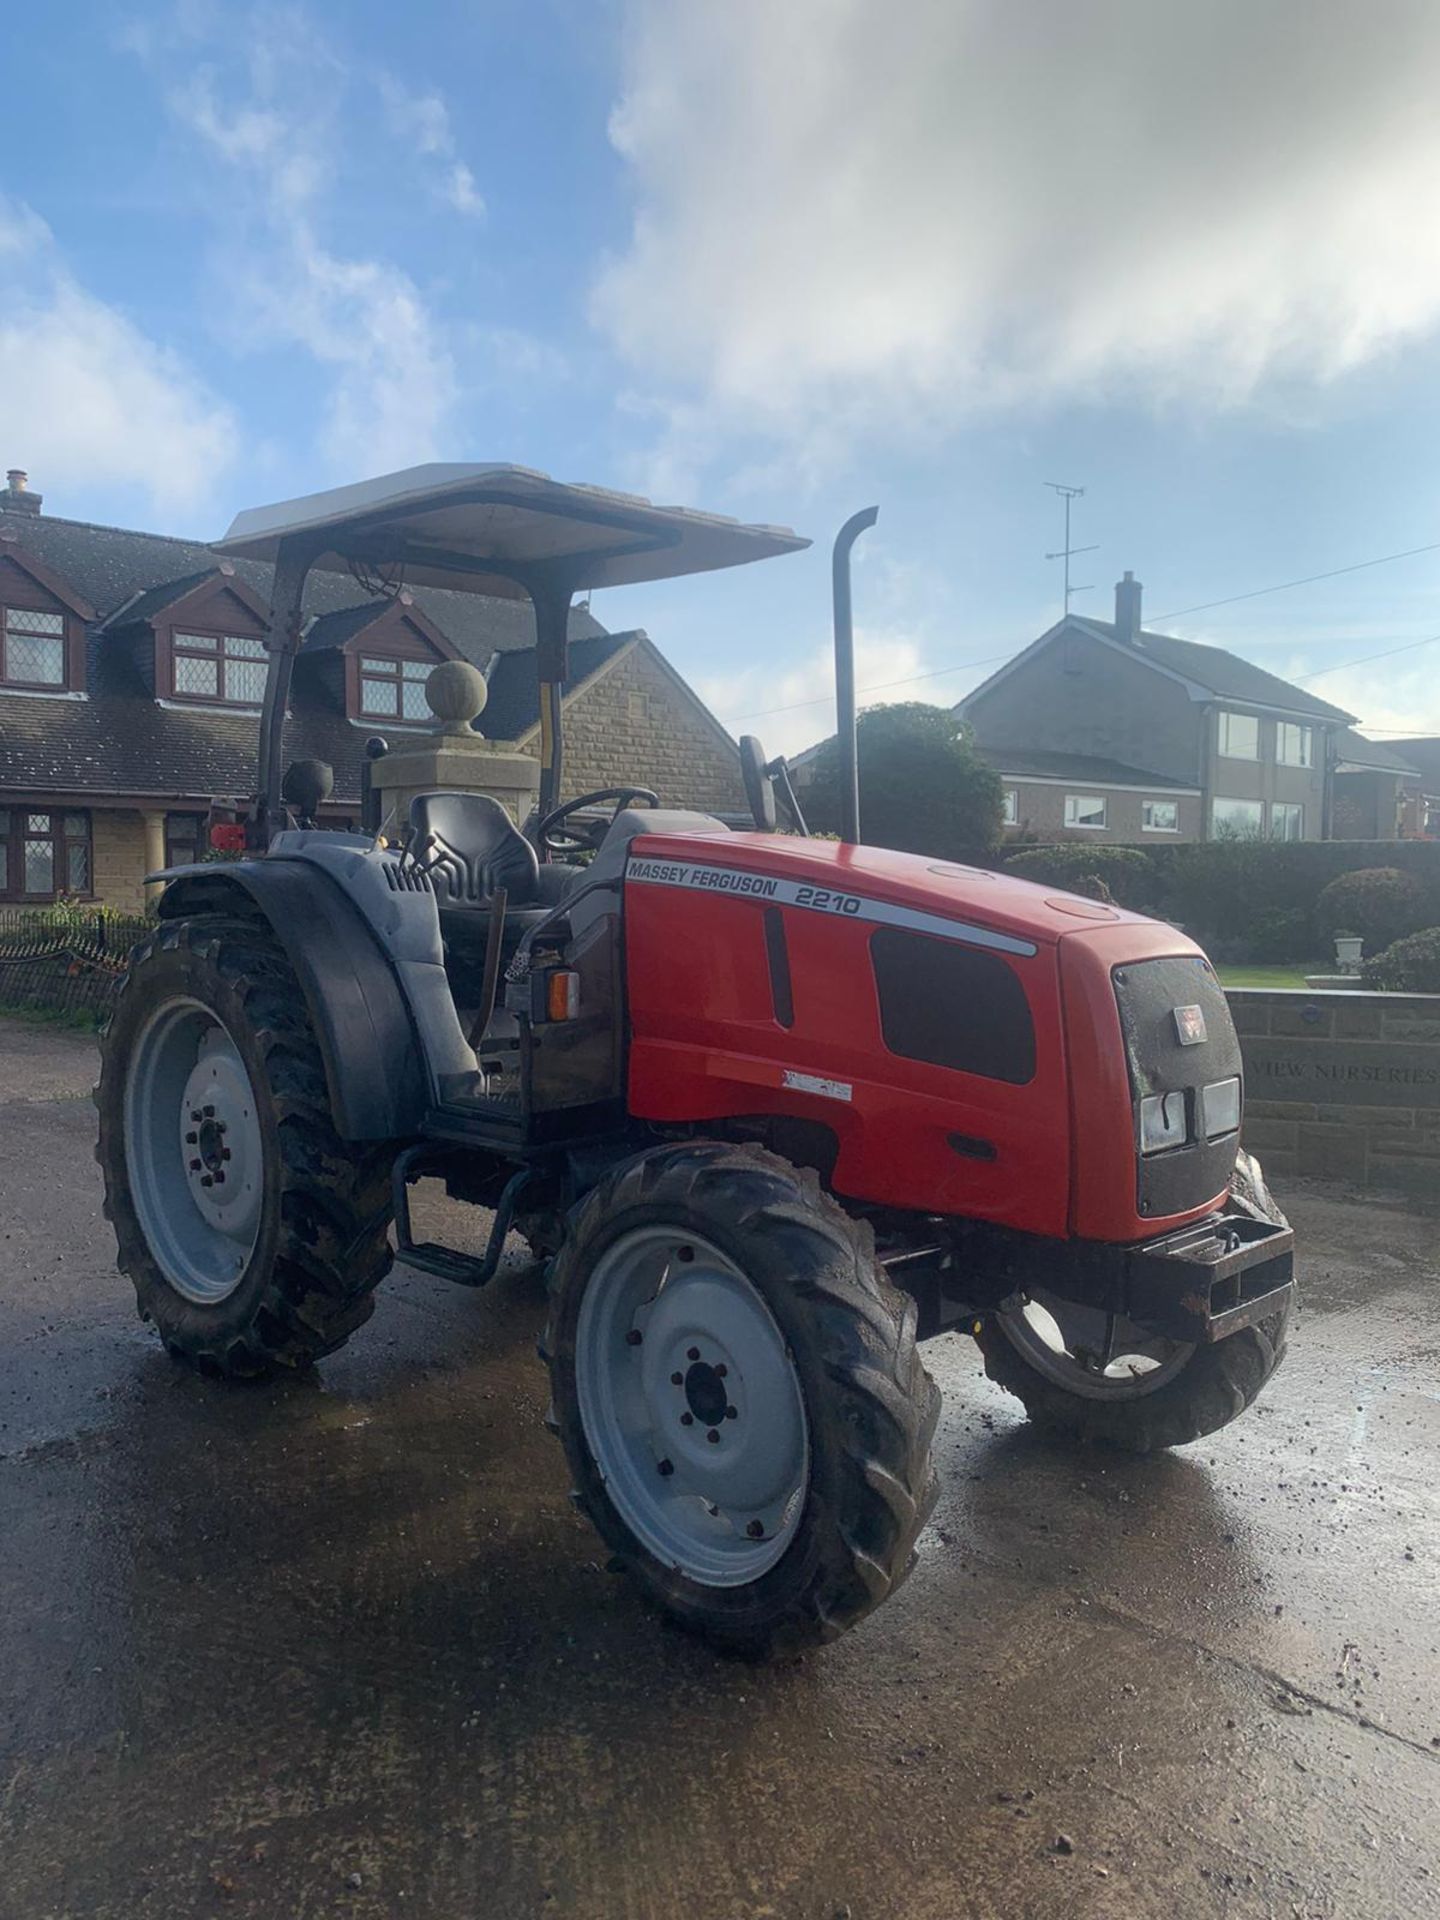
(282, 643)
(550, 595)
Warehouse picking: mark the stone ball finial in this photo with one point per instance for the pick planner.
(456, 694)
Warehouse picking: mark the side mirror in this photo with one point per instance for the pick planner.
(759, 788)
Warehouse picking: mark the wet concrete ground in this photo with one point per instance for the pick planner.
(340, 1647)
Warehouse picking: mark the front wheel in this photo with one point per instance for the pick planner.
(1090, 1375)
(740, 1396)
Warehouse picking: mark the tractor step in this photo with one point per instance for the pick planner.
(448, 1262)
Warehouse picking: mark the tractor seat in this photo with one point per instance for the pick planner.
(471, 848)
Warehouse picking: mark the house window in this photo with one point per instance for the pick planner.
(32, 648)
(220, 668)
(184, 838)
(637, 706)
(1294, 746)
(1239, 736)
(1010, 816)
(1084, 810)
(1287, 820)
(394, 689)
(43, 854)
(1237, 819)
(1160, 816)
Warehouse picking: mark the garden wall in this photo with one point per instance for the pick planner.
(1343, 1085)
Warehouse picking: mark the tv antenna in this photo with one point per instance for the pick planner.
(1067, 552)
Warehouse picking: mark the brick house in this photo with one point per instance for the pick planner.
(132, 668)
(1101, 730)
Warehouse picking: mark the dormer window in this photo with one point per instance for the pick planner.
(32, 648)
(225, 669)
(42, 626)
(394, 689)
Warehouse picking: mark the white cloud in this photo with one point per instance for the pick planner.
(793, 707)
(854, 218)
(1398, 695)
(459, 190)
(91, 402)
(422, 121)
(271, 119)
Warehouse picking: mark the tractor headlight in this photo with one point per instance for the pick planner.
(1162, 1122)
(1220, 1108)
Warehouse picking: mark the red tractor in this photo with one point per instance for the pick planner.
(775, 1109)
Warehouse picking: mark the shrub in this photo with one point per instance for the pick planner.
(1411, 965)
(1381, 904)
(1125, 871)
(1282, 935)
(923, 787)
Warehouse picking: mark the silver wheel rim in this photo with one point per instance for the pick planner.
(193, 1151)
(691, 1406)
(1098, 1355)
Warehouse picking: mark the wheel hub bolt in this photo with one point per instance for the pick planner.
(634, 1337)
(687, 1419)
(192, 1139)
(721, 1371)
(665, 1468)
(208, 1112)
(207, 1179)
(732, 1413)
(756, 1529)
(713, 1436)
(692, 1353)
(677, 1379)
(195, 1166)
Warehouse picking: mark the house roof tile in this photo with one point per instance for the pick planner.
(1354, 750)
(1218, 671)
(1041, 764)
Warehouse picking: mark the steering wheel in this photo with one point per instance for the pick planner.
(553, 841)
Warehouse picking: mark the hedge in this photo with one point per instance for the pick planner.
(1241, 894)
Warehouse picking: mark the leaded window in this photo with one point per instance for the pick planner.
(394, 689)
(32, 648)
(44, 853)
(225, 669)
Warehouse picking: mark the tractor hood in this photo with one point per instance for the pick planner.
(1017, 915)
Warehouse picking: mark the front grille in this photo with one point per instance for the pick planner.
(1147, 992)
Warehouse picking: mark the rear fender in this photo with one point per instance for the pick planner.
(374, 1062)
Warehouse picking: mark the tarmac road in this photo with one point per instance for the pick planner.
(341, 1647)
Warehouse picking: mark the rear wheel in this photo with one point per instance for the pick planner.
(254, 1237)
(740, 1396)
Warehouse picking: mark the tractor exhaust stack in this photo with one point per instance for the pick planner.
(845, 673)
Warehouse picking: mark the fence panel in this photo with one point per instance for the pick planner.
(65, 960)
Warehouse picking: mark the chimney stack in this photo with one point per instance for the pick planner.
(17, 497)
(1127, 607)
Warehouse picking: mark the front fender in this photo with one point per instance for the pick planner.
(374, 1062)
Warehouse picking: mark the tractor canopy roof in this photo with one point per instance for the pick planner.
(499, 530)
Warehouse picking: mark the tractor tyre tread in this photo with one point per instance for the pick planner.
(871, 1405)
(1217, 1385)
(324, 1240)
(1214, 1387)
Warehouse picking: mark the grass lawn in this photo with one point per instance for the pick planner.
(1267, 976)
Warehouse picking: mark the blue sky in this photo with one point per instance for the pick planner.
(778, 259)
